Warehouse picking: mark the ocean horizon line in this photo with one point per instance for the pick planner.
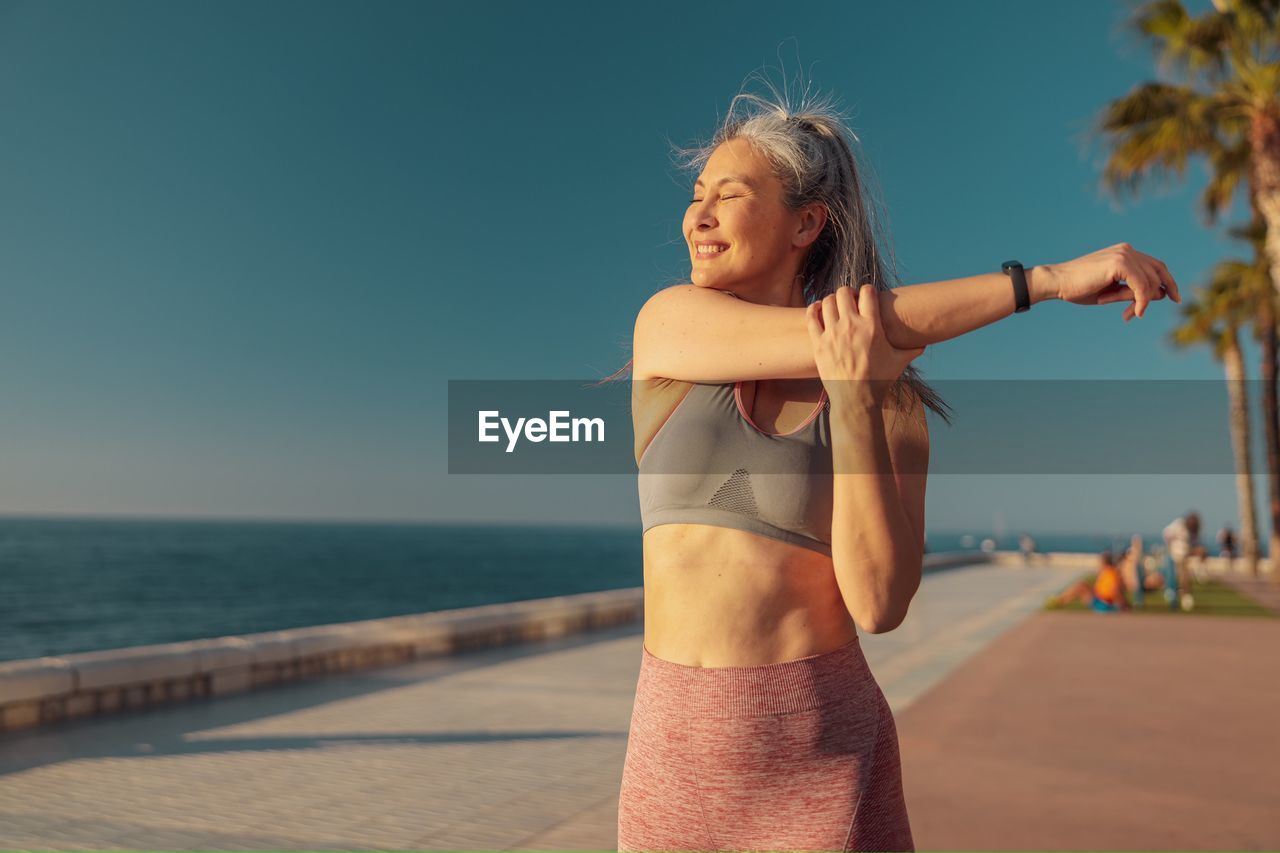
(1010, 531)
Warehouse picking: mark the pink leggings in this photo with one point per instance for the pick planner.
(797, 755)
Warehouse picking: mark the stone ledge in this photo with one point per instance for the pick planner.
(66, 687)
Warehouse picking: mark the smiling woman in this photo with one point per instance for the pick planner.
(754, 694)
(783, 451)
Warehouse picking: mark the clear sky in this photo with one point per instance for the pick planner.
(244, 246)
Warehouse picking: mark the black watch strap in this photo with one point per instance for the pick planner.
(1021, 295)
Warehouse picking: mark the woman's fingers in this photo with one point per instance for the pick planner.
(1136, 279)
(1140, 282)
(1148, 279)
(869, 304)
(1140, 289)
(1163, 275)
(1166, 278)
(1115, 293)
(846, 301)
(1151, 268)
(813, 320)
(830, 311)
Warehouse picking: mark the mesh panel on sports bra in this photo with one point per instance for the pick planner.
(735, 495)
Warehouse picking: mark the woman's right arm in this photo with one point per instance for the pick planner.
(699, 334)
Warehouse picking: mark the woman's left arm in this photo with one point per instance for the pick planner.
(922, 314)
(879, 469)
(881, 459)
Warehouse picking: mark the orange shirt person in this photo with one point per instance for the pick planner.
(1108, 588)
(1107, 593)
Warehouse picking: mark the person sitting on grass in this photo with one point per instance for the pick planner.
(1106, 595)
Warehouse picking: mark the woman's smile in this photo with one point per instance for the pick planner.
(707, 251)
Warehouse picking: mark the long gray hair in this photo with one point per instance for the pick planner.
(812, 152)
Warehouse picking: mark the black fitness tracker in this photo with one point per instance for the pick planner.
(1021, 296)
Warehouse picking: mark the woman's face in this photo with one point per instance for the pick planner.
(739, 232)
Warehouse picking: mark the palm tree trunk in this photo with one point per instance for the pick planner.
(1238, 395)
(1264, 139)
(1271, 425)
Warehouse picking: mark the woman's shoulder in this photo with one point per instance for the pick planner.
(661, 299)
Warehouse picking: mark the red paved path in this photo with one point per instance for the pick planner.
(1090, 731)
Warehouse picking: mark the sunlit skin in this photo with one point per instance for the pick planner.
(718, 596)
(767, 241)
(723, 597)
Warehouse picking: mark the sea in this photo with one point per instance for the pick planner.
(71, 585)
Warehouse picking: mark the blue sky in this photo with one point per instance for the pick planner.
(244, 246)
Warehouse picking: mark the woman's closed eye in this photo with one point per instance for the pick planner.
(722, 198)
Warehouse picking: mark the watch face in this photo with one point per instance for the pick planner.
(1008, 265)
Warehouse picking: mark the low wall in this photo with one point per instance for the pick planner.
(66, 687)
(85, 684)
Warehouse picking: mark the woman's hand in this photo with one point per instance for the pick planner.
(1114, 274)
(854, 358)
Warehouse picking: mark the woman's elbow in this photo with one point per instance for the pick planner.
(889, 615)
(881, 623)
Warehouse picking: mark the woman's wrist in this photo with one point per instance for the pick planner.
(1042, 283)
(853, 398)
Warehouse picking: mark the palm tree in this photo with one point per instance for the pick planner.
(1257, 282)
(1214, 317)
(1234, 123)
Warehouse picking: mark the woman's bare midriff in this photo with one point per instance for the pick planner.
(718, 596)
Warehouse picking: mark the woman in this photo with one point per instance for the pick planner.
(764, 393)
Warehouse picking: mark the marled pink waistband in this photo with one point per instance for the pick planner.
(748, 691)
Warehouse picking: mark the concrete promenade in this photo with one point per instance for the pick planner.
(1090, 731)
(513, 748)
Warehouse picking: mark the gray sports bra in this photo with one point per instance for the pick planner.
(710, 464)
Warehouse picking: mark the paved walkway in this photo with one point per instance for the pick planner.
(1090, 731)
(1263, 589)
(519, 748)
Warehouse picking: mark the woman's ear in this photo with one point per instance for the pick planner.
(813, 216)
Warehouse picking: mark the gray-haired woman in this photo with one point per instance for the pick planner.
(783, 452)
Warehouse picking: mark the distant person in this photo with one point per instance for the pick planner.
(1027, 546)
(1106, 595)
(1182, 545)
(1227, 545)
(1226, 542)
